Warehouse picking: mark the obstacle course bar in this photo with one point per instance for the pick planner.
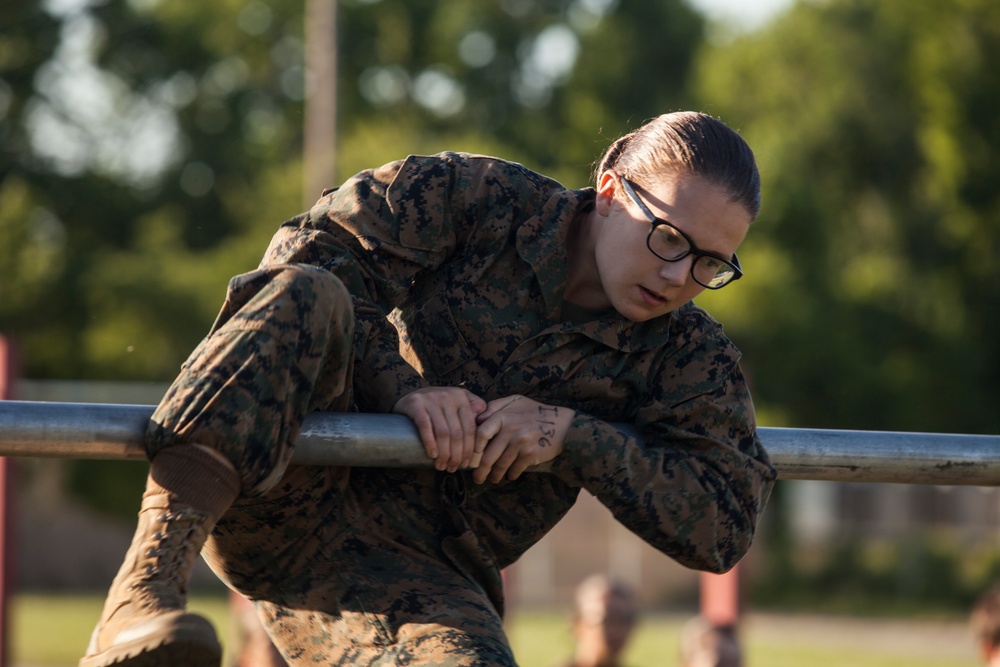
(106, 431)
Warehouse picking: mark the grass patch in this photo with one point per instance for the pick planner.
(53, 631)
(543, 640)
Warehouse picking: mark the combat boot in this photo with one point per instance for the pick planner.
(144, 622)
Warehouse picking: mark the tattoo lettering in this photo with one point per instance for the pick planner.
(546, 415)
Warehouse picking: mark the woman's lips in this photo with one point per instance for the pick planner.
(652, 298)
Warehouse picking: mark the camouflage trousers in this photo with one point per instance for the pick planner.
(346, 566)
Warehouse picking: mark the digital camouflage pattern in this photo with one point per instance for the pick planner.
(454, 267)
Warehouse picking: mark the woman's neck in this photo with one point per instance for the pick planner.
(583, 283)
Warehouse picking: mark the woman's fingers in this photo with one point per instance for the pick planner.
(497, 405)
(484, 433)
(499, 439)
(445, 418)
(515, 433)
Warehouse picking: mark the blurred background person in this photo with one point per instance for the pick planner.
(985, 621)
(705, 644)
(252, 647)
(603, 620)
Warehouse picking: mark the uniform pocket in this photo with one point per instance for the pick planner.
(436, 337)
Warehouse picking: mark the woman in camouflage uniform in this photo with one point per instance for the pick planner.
(514, 320)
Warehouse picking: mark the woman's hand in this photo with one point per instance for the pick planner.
(516, 432)
(445, 418)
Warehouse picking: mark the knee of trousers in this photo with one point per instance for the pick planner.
(308, 312)
(283, 344)
(299, 304)
(321, 319)
(324, 314)
(317, 298)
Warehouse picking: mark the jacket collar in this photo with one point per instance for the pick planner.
(542, 242)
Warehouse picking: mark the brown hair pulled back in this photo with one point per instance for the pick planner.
(687, 143)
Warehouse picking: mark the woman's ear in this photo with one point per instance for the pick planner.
(607, 186)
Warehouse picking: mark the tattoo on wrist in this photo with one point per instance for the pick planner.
(546, 424)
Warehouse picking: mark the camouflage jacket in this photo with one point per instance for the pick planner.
(457, 266)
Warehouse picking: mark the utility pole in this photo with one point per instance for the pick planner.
(320, 132)
(8, 378)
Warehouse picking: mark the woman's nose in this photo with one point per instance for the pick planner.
(676, 273)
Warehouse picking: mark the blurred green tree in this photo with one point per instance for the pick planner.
(137, 140)
(550, 83)
(150, 148)
(872, 297)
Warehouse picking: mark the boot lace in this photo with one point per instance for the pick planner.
(167, 558)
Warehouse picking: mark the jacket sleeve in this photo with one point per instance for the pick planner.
(377, 233)
(692, 480)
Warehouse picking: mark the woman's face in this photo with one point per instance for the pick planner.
(637, 283)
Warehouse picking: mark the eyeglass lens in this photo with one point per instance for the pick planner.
(669, 244)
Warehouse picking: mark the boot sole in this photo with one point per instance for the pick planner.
(189, 643)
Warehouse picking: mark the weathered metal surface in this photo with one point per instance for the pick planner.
(107, 431)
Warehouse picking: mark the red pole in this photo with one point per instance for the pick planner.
(720, 597)
(8, 376)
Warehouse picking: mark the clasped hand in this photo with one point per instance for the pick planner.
(500, 438)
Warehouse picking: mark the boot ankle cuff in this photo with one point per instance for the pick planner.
(195, 477)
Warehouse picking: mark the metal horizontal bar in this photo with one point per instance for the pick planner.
(106, 431)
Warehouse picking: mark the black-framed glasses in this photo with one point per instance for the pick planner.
(672, 245)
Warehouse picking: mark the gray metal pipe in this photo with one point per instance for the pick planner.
(103, 431)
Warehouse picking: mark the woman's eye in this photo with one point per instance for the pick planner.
(670, 237)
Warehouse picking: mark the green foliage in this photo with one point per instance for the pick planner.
(131, 185)
(873, 123)
(609, 67)
(927, 572)
(111, 487)
(151, 148)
